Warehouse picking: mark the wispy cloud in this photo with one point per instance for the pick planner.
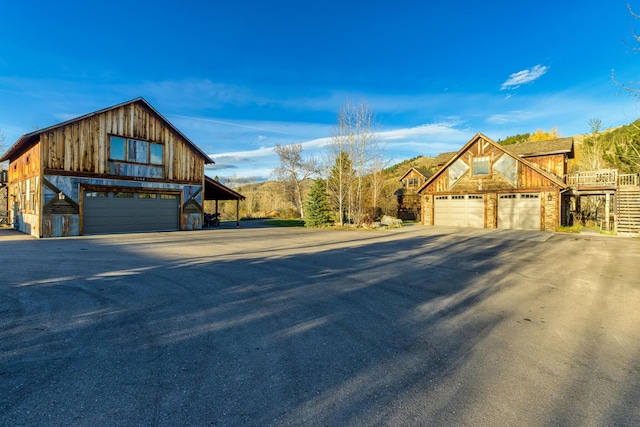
(525, 76)
(401, 143)
(515, 116)
(237, 124)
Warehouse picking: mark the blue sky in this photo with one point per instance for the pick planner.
(238, 77)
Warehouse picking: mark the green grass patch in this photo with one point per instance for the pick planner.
(570, 229)
(284, 222)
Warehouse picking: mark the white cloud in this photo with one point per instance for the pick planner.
(515, 116)
(401, 143)
(425, 130)
(524, 76)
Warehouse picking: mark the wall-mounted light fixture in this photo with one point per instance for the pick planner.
(61, 195)
(550, 197)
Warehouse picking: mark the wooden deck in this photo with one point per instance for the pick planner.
(622, 189)
(605, 179)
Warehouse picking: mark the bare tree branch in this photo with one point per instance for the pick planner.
(294, 170)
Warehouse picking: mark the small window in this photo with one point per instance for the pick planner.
(155, 154)
(102, 194)
(168, 196)
(146, 196)
(137, 151)
(481, 166)
(123, 195)
(117, 148)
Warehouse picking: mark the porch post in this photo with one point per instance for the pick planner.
(607, 207)
(238, 213)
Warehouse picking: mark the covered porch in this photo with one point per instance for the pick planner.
(215, 191)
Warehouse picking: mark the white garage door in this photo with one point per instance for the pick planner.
(459, 210)
(519, 211)
(124, 212)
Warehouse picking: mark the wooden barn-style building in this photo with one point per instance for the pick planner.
(488, 185)
(121, 169)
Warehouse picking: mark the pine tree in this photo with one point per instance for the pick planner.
(317, 209)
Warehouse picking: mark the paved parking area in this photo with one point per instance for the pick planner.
(281, 326)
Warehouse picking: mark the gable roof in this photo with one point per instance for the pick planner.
(541, 148)
(502, 148)
(424, 172)
(28, 139)
(443, 158)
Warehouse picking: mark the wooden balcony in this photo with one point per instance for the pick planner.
(602, 179)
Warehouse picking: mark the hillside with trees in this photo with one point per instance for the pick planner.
(617, 148)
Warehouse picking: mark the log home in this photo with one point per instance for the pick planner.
(489, 185)
(121, 169)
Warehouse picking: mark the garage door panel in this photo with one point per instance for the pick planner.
(459, 210)
(519, 211)
(441, 210)
(106, 212)
(475, 212)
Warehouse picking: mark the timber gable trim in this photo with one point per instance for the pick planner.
(485, 142)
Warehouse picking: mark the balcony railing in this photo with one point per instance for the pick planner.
(602, 178)
(629, 180)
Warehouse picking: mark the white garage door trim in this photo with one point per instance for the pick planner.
(519, 211)
(459, 210)
(129, 211)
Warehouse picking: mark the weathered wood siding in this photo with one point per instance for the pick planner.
(23, 192)
(411, 175)
(528, 178)
(83, 146)
(25, 166)
(554, 163)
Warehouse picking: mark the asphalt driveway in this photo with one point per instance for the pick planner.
(282, 326)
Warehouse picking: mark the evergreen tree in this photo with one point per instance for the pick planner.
(317, 209)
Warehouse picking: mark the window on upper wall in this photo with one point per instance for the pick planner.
(456, 171)
(155, 154)
(481, 166)
(117, 148)
(508, 167)
(135, 151)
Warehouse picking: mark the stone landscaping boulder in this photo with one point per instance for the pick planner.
(390, 221)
